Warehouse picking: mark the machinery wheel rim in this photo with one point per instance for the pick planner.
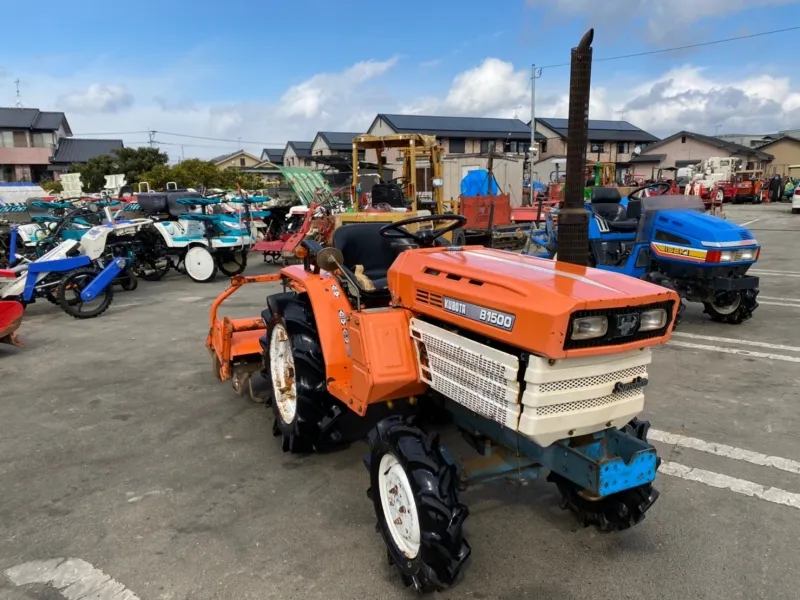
(729, 308)
(399, 506)
(199, 263)
(283, 373)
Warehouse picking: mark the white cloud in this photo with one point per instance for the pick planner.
(662, 19)
(682, 98)
(688, 97)
(98, 97)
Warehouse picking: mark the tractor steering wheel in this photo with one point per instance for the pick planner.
(658, 184)
(425, 238)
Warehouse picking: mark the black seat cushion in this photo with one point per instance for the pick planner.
(605, 202)
(606, 195)
(362, 244)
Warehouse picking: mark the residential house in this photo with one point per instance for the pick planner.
(458, 135)
(236, 160)
(687, 148)
(785, 152)
(70, 151)
(751, 140)
(336, 144)
(608, 142)
(27, 138)
(272, 155)
(296, 154)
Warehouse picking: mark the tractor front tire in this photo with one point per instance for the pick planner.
(735, 313)
(414, 493)
(307, 417)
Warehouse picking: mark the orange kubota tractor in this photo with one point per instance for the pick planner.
(540, 364)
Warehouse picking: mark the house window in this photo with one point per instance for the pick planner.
(457, 146)
(683, 139)
(511, 147)
(623, 147)
(486, 145)
(543, 146)
(598, 147)
(6, 139)
(241, 162)
(20, 139)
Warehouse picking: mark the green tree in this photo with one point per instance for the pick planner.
(229, 178)
(135, 161)
(94, 171)
(157, 177)
(196, 173)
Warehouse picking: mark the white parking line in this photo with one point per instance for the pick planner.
(724, 350)
(769, 303)
(725, 340)
(749, 222)
(756, 458)
(74, 578)
(761, 272)
(795, 300)
(776, 271)
(740, 486)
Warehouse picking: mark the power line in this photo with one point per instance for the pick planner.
(688, 47)
(213, 139)
(114, 133)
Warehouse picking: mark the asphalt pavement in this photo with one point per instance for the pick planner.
(127, 470)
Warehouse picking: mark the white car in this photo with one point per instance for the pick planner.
(796, 200)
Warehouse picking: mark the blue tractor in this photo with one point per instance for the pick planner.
(668, 240)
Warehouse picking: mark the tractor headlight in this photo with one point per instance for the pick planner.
(587, 328)
(651, 320)
(747, 254)
(726, 256)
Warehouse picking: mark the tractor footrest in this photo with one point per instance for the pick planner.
(736, 284)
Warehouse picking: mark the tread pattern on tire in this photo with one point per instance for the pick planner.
(319, 422)
(747, 305)
(615, 512)
(443, 549)
(67, 307)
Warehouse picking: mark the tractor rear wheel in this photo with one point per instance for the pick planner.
(414, 493)
(307, 417)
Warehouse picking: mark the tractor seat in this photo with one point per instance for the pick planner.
(362, 244)
(605, 202)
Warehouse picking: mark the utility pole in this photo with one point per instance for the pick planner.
(535, 74)
(152, 136)
(18, 102)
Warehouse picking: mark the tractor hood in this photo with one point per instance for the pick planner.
(703, 230)
(524, 301)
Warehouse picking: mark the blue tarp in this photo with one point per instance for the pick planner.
(476, 183)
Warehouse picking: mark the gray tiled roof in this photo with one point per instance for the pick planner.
(460, 127)
(717, 143)
(72, 150)
(301, 149)
(603, 131)
(648, 158)
(273, 154)
(32, 118)
(338, 140)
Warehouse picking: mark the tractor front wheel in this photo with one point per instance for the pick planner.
(414, 493)
(732, 307)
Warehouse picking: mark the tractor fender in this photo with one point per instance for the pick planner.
(332, 310)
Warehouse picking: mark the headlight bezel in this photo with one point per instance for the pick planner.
(601, 321)
(653, 326)
(615, 317)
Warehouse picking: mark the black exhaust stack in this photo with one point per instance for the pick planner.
(573, 220)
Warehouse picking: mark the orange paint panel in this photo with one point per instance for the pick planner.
(384, 361)
(330, 305)
(541, 294)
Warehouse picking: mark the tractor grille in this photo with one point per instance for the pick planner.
(476, 376)
(581, 405)
(587, 382)
(611, 314)
(745, 235)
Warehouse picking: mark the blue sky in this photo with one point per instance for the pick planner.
(268, 71)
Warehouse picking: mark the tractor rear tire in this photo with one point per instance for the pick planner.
(307, 417)
(415, 497)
